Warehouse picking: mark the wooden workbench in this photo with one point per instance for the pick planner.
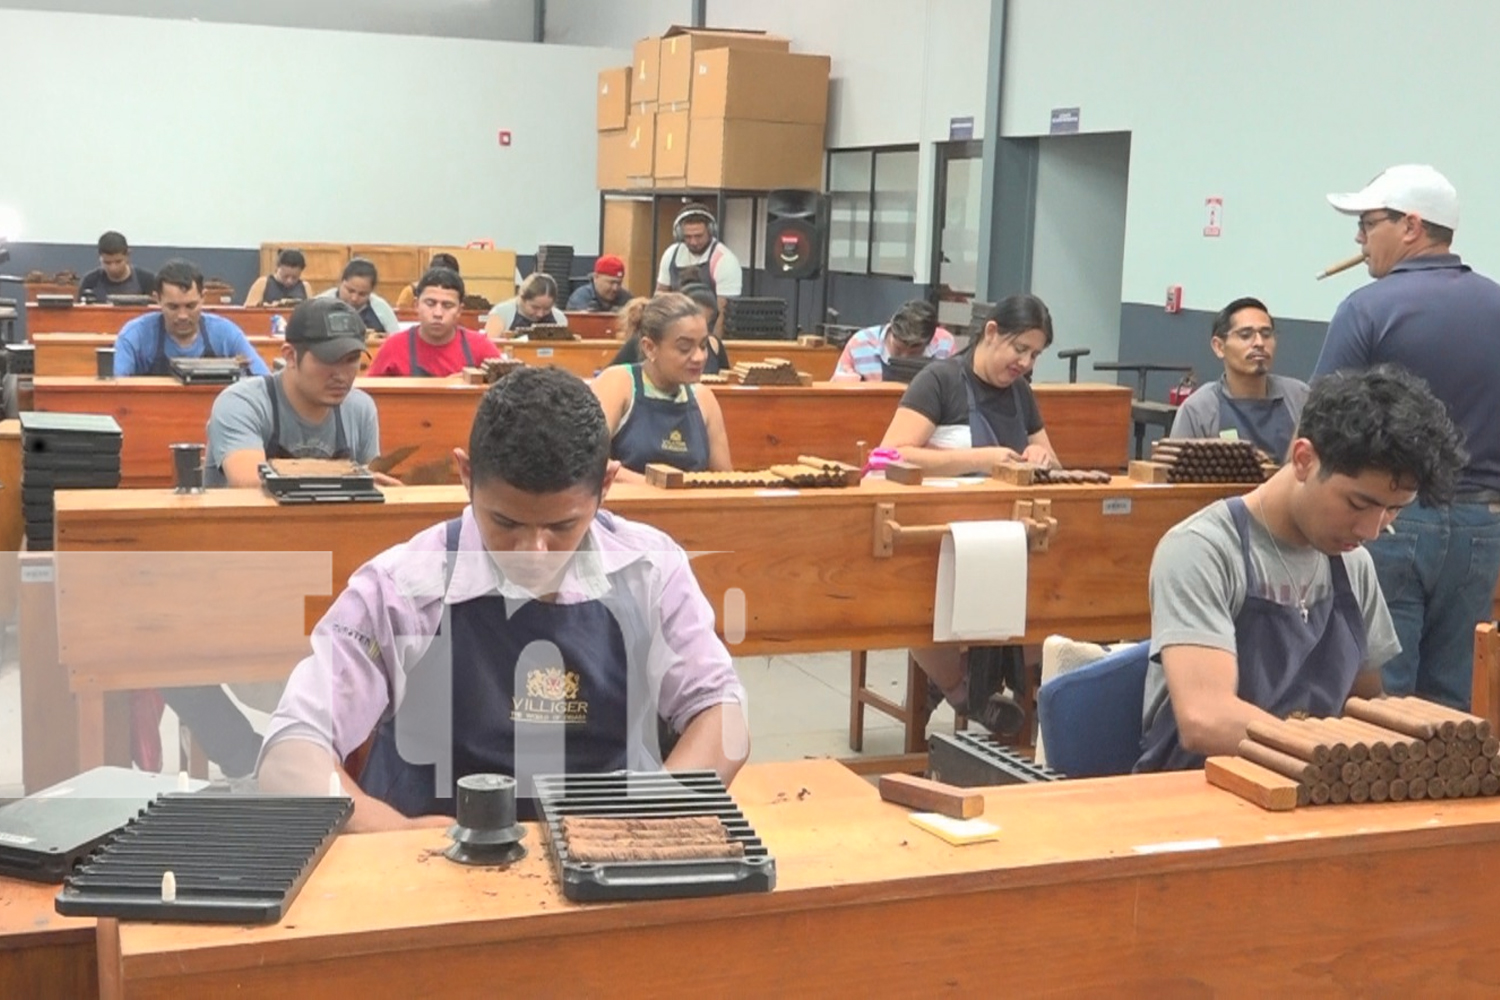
(256, 321)
(1154, 885)
(1088, 423)
(41, 953)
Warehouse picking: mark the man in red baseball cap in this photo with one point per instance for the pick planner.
(606, 291)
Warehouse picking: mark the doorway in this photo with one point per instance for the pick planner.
(958, 174)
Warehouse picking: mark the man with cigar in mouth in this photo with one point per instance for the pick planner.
(1430, 313)
(1248, 403)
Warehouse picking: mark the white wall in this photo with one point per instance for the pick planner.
(1270, 105)
(511, 20)
(196, 134)
(1078, 249)
(613, 23)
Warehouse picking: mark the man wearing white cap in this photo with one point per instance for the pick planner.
(1431, 314)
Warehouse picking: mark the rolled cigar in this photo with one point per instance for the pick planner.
(1359, 748)
(1328, 773)
(1380, 790)
(1278, 735)
(1408, 770)
(655, 840)
(1470, 748)
(1437, 749)
(1495, 766)
(1349, 772)
(1382, 714)
(1341, 266)
(1369, 771)
(1447, 727)
(1389, 770)
(1488, 785)
(1382, 741)
(1338, 793)
(1338, 750)
(1359, 791)
(1416, 789)
(1453, 788)
(1304, 793)
(1281, 763)
(1417, 749)
(1318, 793)
(625, 852)
(574, 825)
(1490, 747)
(1469, 724)
(1427, 768)
(1479, 767)
(1398, 789)
(1469, 787)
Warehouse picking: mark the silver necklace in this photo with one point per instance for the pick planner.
(1302, 599)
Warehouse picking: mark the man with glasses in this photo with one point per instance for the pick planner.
(1248, 403)
(1430, 313)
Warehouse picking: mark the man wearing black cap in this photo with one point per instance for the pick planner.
(309, 410)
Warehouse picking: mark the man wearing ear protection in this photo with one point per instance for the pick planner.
(697, 235)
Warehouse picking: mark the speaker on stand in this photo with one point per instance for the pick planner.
(796, 239)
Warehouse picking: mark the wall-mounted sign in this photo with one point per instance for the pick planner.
(1064, 121)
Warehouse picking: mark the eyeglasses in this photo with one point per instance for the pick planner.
(1248, 333)
(1365, 225)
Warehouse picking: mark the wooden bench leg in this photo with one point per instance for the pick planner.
(917, 712)
(858, 662)
(90, 708)
(192, 759)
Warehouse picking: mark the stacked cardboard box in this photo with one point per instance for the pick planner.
(712, 108)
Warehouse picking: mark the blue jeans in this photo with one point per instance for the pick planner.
(1438, 573)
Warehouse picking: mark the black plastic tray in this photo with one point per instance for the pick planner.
(237, 859)
(969, 760)
(633, 794)
(358, 488)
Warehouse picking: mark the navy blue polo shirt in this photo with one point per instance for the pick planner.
(1439, 320)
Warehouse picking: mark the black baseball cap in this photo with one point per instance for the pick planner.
(330, 328)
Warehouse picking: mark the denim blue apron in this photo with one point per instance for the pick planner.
(982, 433)
(1265, 422)
(161, 364)
(1285, 664)
(661, 430)
(541, 688)
(274, 447)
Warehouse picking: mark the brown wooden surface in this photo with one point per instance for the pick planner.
(41, 953)
(255, 321)
(12, 524)
(1374, 900)
(767, 425)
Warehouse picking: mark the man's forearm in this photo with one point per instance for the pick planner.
(1220, 729)
(717, 738)
(301, 767)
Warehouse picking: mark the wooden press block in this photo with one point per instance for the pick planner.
(1148, 472)
(664, 476)
(931, 796)
(904, 473)
(1015, 473)
(1252, 782)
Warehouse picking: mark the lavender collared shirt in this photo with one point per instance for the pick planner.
(383, 622)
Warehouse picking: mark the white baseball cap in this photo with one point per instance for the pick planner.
(1411, 187)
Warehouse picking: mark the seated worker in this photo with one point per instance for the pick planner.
(181, 329)
(408, 297)
(534, 303)
(284, 284)
(115, 275)
(310, 409)
(708, 303)
(437, 346)
(967, 413)
(912, 332)
(357, 289)
(656, 410)
(1248, 403)
(1268, 604)
(602, 616)
(605, 291)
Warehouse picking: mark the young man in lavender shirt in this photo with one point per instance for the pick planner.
(534, 634)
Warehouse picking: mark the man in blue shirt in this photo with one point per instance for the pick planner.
(181, 329)
(1429, 313)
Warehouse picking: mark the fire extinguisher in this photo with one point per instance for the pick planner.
(1182, 390)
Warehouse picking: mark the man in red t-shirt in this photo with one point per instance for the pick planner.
(437, 346)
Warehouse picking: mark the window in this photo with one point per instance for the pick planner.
(873, 210)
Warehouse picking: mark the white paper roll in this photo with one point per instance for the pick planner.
(981, 582)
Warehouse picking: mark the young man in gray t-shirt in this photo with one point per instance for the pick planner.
(1267, 604)
(309, 410)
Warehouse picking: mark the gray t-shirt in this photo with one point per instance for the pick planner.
(1198, 416)
(1198, 587)
(241, 419)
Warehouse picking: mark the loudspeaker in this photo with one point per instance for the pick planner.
(796, 233)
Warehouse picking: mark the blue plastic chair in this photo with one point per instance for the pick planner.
(1091, 717)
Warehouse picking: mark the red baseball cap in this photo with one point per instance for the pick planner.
(610, 266)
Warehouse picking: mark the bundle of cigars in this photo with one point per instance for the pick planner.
(771, 371)
(1208, 460)
(491, 370)
(1386, 749)
(807, 471)
(596, 840)
(1071, 477)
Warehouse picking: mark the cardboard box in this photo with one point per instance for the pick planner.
(670, 168)
(325, 261)
(397, 266)
(679, 46)
(491, 273)
(627, 234)
(640, 149)
(761, 86)
(757, 156)
(614, 98)
(645, 70)
(614, 151)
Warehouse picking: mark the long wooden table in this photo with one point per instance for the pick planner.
(1088, 423)
(1153, 885)
(255, 321)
